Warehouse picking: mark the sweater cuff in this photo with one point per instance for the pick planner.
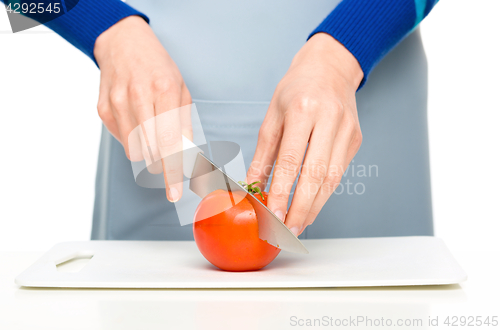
(88, 19)
(369, 29)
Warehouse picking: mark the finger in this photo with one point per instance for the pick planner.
(105, 112)
(130, 137)
(140, 109)
(268, 143)
(169, 139)
(134, 142)
(338, 165)
(120, 109)
(149, 150)
(144, 113)
(185, 114)
(296, 133)
(312, 174)
(355, 145)
(109, 121)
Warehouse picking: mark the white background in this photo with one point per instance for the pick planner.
(50, 131)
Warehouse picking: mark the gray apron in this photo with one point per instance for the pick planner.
(232, 54)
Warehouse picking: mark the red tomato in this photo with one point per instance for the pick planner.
(230, 240)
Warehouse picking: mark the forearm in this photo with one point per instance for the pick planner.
(81, 25)
(369, 29)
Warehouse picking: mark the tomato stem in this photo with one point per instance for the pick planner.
(251, 188)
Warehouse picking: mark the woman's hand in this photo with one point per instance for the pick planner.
(139, 81)
(314, 103)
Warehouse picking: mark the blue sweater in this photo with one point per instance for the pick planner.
(369, 29)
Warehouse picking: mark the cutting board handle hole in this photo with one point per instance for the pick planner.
(74, 264)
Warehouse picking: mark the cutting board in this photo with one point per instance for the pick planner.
(354, 262)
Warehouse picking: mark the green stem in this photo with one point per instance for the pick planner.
(251, 188)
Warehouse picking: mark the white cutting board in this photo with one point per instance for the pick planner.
(354, 262)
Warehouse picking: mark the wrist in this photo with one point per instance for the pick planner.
(120, 28)
(338, 56)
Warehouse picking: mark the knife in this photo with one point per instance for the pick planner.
(207, 177)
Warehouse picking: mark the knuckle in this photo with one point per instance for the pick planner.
(259, 170)
(172, 174)
(162, 84)
(118, 98)
(332, 110)
(254, 171)
(268, 135)
(304, 104)
(350, 123)
(104, 112)
(331, 181)
(167, 138)
(166, 85)
(357, 139)
(288, 163)
(337, 109)
(315, 170)
(136, 90)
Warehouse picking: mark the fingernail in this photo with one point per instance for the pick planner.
(279, 214)
(295, 230)
(174, 195)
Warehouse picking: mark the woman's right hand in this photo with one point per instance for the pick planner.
(139, 80)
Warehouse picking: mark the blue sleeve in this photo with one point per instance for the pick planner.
(369, 29)
(87, 19)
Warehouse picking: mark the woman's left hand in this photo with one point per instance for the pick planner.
(314, 103)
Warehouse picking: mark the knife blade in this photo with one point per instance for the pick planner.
(207, 177)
